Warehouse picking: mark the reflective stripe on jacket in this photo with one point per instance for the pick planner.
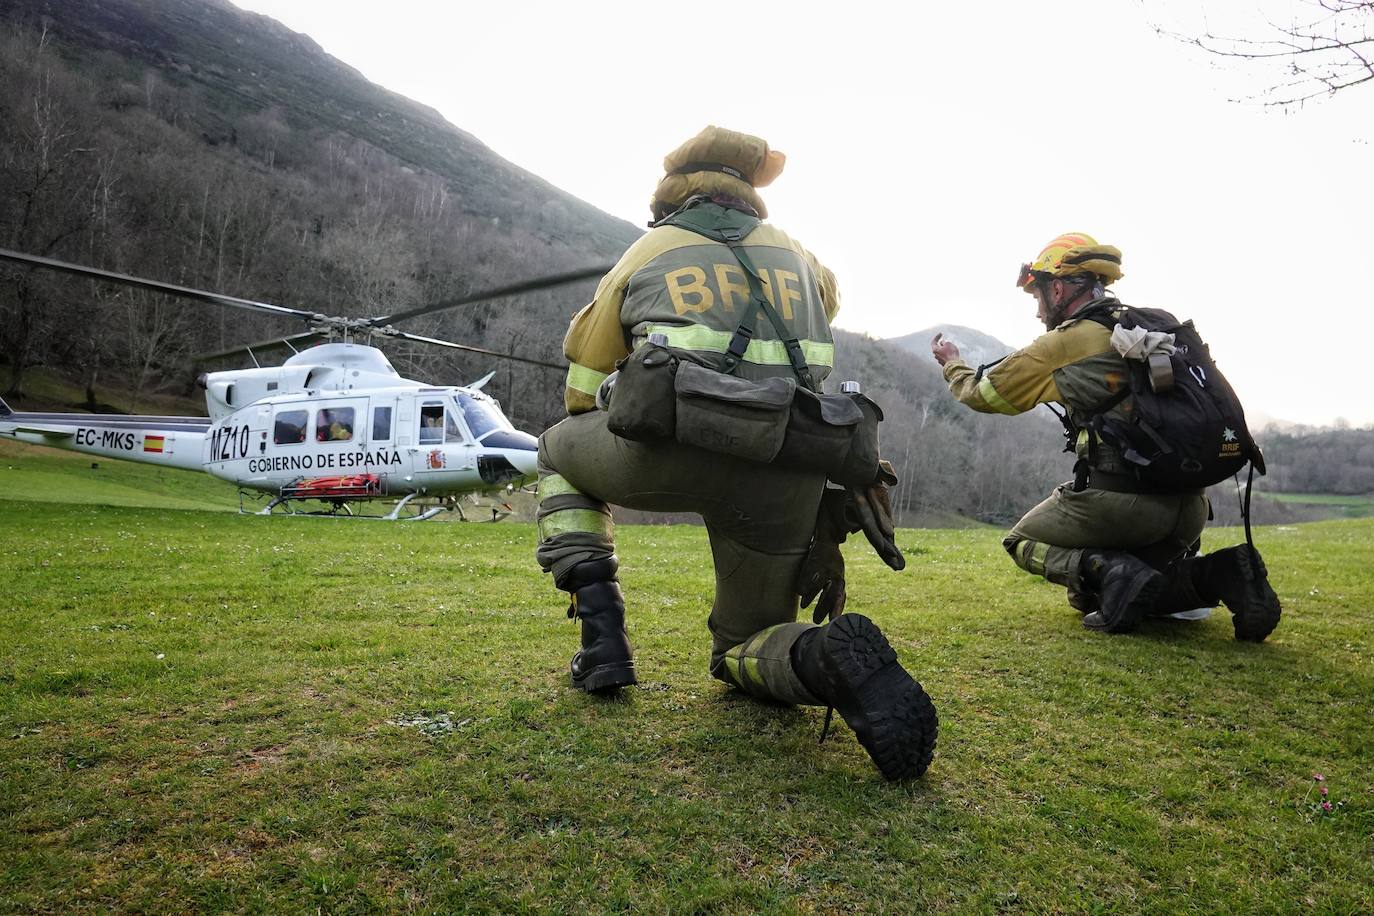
(676, 282)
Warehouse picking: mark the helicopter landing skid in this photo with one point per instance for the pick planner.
(340, 508)
(395, 514)
(499, 508)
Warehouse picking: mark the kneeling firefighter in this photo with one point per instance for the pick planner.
(694, 386)
(1152, 422)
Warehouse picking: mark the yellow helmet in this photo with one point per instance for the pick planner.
(1072, 254)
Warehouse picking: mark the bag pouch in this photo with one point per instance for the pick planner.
(860, 465)
(733, 416)
(833, 433)
(641, 403)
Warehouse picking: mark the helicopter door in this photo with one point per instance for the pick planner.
(383, 422)
(405, 421)
(262, 425)
(437, 431)
(339, 438)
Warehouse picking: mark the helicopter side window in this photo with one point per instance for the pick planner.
(334, 424)
(381, 424)
(289, 428)
(482, 416)
(431, 423)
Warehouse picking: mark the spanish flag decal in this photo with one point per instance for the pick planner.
(153, 443)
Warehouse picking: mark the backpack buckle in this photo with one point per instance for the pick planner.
(739, 344)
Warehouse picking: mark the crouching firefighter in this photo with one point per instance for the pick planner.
(1152, 422)
(694, 386)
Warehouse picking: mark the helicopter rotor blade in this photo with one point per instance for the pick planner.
(170, 289)
(292, 340)
(403, 335)
(527, 286)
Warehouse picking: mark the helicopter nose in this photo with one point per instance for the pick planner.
(525, 460)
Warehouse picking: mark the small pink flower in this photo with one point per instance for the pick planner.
(1323, 791)
(1319, 777)
(1326, 806)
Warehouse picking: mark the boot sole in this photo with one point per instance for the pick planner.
(1145, 588)
(606, 678)
(890, 713)
(1256, 620)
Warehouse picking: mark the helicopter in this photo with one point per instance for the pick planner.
(335, 422)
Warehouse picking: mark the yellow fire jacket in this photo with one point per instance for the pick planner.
(1074, 365)
(678, 283)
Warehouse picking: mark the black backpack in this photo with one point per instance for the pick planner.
(1188, 436)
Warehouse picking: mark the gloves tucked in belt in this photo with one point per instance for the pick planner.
(843, 512)
(873, 507)
(822, 572)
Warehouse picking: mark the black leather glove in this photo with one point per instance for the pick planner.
(871, 508)
(822, 573)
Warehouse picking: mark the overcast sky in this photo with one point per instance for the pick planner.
(934, 147)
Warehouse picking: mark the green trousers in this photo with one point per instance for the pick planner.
(1050, 539)
(759, 519)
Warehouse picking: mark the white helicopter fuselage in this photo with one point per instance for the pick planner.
(425, 440)
(334, 421)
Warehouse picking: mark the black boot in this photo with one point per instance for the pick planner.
(606, 661)
(848, 664)
(1126, 586)
(1179, 591)
(1082, 601)
(1237, 577)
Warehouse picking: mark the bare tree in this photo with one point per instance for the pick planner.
(1324, 47)
(49, 191)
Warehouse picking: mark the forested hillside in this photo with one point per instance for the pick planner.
(194, 143)
(191, 142)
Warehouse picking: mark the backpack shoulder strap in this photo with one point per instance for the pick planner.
(715, 222)
(730, 227)
(1103, 311)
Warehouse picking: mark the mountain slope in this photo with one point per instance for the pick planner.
(243, 63)
(975, 347)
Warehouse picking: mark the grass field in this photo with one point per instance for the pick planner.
(203, 711)
(1349, 506)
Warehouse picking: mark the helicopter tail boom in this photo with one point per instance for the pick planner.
(168, 441)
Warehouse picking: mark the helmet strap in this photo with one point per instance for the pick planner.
(1054, 314)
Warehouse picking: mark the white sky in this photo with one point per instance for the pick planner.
(934, 147)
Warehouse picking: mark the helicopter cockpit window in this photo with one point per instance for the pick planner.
(289, 428)
(482, 416)
(334, 424)
(438, 425)
(431, 423)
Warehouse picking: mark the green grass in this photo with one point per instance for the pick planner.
(33, 473)
(203, 711)
(1323, 499)
(1343, 505)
